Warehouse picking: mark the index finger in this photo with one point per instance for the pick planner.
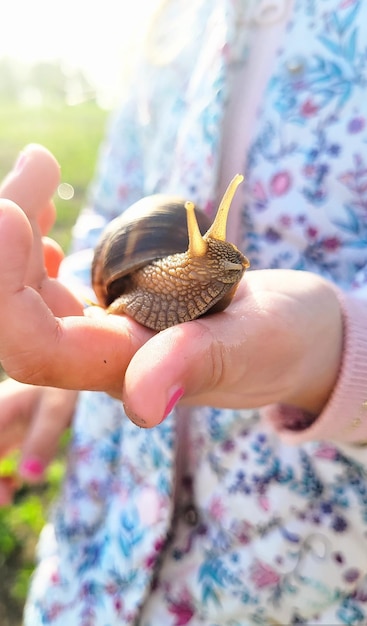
(75, 352)
(39, 173)
(31, 185)
(71, 353)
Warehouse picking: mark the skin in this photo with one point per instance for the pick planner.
(280, 340)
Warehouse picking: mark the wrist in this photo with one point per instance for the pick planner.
(343, 416)
(319, 366)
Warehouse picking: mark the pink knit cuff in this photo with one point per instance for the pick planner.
(344, 417)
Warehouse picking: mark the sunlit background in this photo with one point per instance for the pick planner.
(88, 35)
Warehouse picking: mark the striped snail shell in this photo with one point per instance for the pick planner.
(153, 263)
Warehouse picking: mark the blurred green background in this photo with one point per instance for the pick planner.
(40, 104)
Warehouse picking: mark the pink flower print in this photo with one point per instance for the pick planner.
(262, 575)
(54, 611)
(150, 561)
(280, 183)
(243, 532)
(309, 170)
(309, 108)
(55, 578)
(152, 558)
(83, 453)
(351, 575)
(209, 207)
(285, 221)
(258, 191)
(348, 179)
(347, 3)
(118, 605)
(94, 490)
(216, 509)
(326, 451)
(331, 244)
(311, 232)
(111, 589)
(182, 610)
(159, 544)
(123, 192)
(264, 503)
(259, 195)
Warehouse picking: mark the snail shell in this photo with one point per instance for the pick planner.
(153, 263)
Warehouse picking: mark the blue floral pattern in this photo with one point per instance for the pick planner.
(210, 519)
(310, 149)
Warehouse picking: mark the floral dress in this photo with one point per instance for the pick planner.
(210, 518)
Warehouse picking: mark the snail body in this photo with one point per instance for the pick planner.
(153, 264)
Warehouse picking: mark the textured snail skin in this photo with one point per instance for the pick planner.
(178, 288)
(156, 287)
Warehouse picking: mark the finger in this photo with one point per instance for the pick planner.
(16, 244)
(38, 348)
(17, 403)
(33, 419)
(31, 184)
(52, 416)
(53, 255)
(72, 353)
(46, 218)
(186, 360)
(33, 180)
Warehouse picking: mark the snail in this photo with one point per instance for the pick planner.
(153, 264)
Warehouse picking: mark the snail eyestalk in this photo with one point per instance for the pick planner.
(197, 245)
(218, 229)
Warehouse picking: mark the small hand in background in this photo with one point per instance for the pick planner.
(32, 420)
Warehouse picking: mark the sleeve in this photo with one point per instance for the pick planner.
(344, 418)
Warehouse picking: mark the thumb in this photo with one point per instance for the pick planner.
(52, 416)
(184, 360)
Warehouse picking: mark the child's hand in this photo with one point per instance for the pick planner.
(32, 419)
(280, 340)
(45, 339)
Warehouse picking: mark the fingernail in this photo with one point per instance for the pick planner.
(175, 395)
(32, 468)
(19, 163)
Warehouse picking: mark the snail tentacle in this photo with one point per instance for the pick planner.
(197, 244)
(218, 229)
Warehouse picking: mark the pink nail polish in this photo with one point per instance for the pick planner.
(175, 396)
(32, 468)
